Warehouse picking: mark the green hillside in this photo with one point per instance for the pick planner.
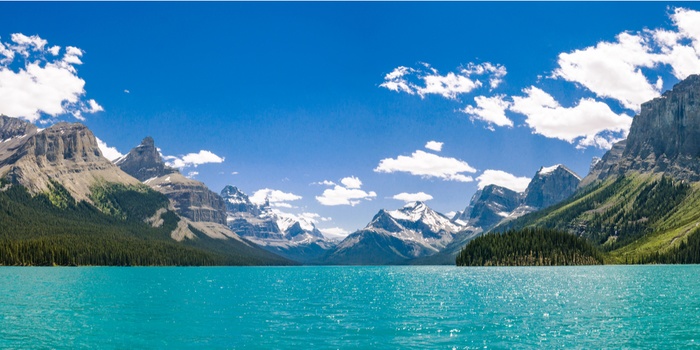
(633, 218)
(54, 229)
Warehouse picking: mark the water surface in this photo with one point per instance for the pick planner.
(350, 307)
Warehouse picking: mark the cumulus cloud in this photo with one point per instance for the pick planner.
(192, 159)
(349, 193)
(427, 165)
(428, 81)
(275, 198)
(192, 174)
(490, 109)
(617, 69)
(351, 182)
(503, 179)
(334, 232)
(434, 146)
(36, 81)
(413, 197)
(589, 122)
(108, 152)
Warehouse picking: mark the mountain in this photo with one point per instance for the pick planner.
(63, 203)
(396, 237)
(640, 202)
(190, 198)
(495, 205)
(550, 185)
(662, 138)
(64, 154)
(287, 235)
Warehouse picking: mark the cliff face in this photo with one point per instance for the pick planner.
(550, 186)
(191, 199)
(663, 138)
(63, 153)
(144, 162)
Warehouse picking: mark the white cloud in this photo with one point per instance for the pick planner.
(348, 194)
(41, 84)
(587, 121)
(428, 81)
(413, 197)
(617, 69)
(276, 198)
(427, 165)
(351, 182)
(503, 179)
(334, 232)
(127, 91)
(434, 146)
(490, 109)
(192, 159)
(110, 153)
(340, 195)
(192, 174)
(324, 183)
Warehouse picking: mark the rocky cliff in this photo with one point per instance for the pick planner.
(663, 138)
(64, 153)
(191, 198)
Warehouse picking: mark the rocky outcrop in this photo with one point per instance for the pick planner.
(663, 138)
(190, 198)
(64, 153)
(145, 162)
(550, 185)
(489, 206)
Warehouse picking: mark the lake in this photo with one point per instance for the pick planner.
(393, 307)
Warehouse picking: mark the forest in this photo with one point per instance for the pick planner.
(529, 247)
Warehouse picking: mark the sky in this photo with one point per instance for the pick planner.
(333, 111)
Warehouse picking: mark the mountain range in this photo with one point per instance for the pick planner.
(64, 203)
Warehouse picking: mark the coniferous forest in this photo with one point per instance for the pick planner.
(53, 229)
(529, 247)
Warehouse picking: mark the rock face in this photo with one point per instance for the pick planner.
(663, 137)
(292, 237)
(396, 236)
(550, 186)
(489, 206)
(144, 162)
(494, 204)
(191, 199)
(64, 153)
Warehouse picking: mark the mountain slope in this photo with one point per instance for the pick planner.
(191, 199)
(642, 200)
(396, 237)
(289, 236)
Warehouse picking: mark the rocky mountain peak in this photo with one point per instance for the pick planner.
(663, 137)
(14, 127)
(550, 185)
(145, 162)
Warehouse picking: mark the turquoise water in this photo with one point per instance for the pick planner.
(350, 307)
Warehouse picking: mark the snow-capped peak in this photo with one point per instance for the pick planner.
(548, 169)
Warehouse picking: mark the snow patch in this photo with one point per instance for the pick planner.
(548, 169)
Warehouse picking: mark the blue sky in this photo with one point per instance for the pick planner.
(291, 97)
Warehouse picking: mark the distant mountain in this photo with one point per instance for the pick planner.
(494, 204)
(190, 198)
(396, 237)
(63, 203)
(284, 234)
(640, 201)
